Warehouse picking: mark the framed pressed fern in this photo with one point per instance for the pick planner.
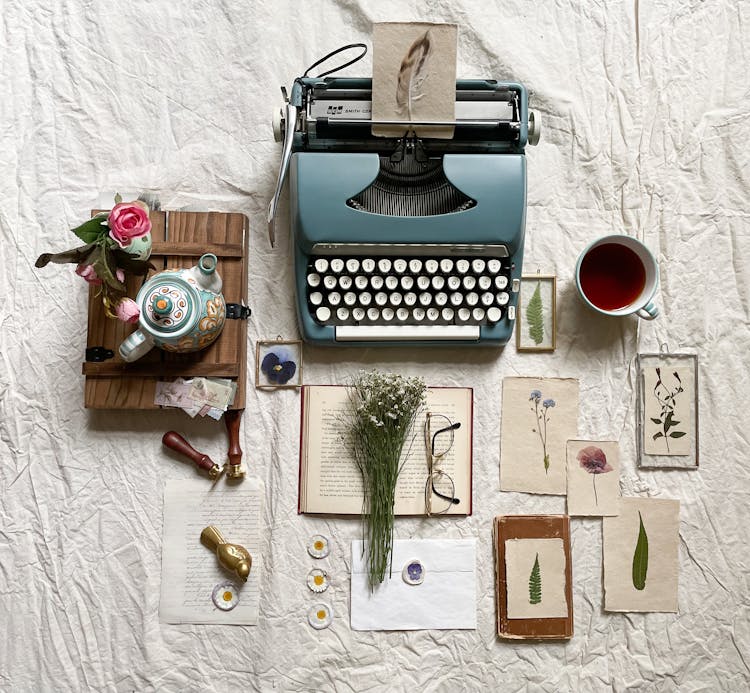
(536, 321)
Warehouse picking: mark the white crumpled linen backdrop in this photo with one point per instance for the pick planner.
(646, 123)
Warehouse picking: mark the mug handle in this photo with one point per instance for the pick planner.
(648, 312)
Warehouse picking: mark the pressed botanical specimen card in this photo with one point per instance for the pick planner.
(641, 555)
(536, 325)
(593, 478)
(539, 416)
(667, 410)
(535, 578)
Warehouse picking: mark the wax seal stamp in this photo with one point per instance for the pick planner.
(318, 546)
(320, 616)
(317, 580)
(225, 596)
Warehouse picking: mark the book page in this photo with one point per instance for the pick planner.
(331, 482)
(189, 570)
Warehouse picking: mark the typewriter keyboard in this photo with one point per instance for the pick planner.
(407, 291)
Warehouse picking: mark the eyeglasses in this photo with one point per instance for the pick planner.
(439, 490)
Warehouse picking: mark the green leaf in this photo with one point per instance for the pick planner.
(677, 434)
(656, 421)
(534, 316)
(658, 435)
(76, 256)
(640, 557)
(535, 583)
(92, 229)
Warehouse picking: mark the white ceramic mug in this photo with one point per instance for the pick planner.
(617, 270)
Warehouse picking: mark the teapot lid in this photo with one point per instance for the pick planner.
(168, 304)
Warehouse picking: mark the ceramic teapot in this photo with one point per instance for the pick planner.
(182, 310)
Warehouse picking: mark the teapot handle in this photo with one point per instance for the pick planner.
(136, 345)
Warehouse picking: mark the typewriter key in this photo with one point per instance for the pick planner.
(485, 282)
(395, 299)
(334, 298)
(360, 281)
(478, 265)
(456, 299)
(410, 299)
(446, 265)
(365, 299)
(391, 282)
(487, 299)
(376, 282)
(464, 314)
(447, 314)
(478, 314)
(358, 314)
(418, 314)
(494, 314)
(433, 314)
(415, 266)
(469, 283)
(399, 265)
(501, 282)
(350, 298)
(502, 298)
(316, 298)
(323, 314)
(321, 264)
(494, 266)
(368, 265)
(384, 265)
(441, 298)
(471, 299)
(342, 314)
(329, 281)
(407, 282)
(431, 266)
(462, 266)
(402, 314)
(381, 298)
(423, 282)
(454, 283)
(387, 314)
(373, 314)
(337, 264)
(425, 299)
(313, 280)
(345, 282)
(438, 282)
(352, 265)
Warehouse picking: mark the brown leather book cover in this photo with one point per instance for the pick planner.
(531, 527)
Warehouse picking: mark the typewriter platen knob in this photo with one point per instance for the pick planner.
(535, 128)
(277, 120)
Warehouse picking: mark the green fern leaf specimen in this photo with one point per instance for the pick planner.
(534, 317)
(535, 583)
(640, 557)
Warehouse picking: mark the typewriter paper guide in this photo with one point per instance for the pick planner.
(414, 77)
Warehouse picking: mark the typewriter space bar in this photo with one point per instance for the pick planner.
(406, 333)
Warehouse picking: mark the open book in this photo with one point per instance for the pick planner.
(330, 481)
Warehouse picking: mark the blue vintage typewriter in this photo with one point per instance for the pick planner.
(405, 240)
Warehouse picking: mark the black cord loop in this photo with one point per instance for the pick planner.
(336, 52)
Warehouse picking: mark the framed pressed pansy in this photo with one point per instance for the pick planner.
(278, 363)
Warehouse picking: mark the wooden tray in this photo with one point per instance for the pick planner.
(179, 239)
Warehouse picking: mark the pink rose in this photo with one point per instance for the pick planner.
(120, 274)
(88, 273)
(127, 310)
(128, 220)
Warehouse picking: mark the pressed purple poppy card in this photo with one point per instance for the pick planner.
(278, 363)
(539, 416)
(593, 478)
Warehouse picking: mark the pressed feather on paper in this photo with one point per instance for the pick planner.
(412, 74)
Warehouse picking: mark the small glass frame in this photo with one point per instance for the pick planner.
(667, 411)
(536, 314)
(278, 363)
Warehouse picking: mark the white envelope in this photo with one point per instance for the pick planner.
(446, 599)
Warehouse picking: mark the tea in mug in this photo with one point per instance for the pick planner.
(612, 276)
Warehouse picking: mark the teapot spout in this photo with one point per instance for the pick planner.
(207, 276)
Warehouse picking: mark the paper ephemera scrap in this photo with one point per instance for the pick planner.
(535, 578)
(539, 416)
(414, 77)
(641, 556)
(593, 478)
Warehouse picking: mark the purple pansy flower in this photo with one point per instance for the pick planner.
(415, 571)
(278, 367)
